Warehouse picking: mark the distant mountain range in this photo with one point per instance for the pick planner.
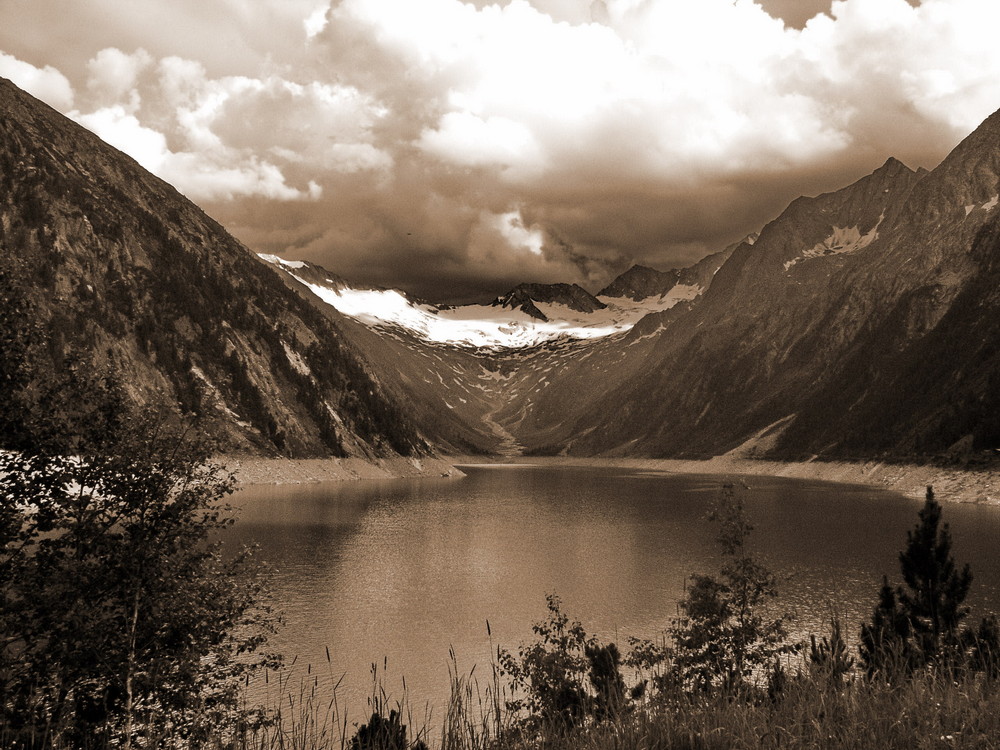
(859, 323)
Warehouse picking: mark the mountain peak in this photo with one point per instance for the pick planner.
(640, 282)
(892, 164)
(524, 296)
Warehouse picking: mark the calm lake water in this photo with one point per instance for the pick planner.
(399, 572)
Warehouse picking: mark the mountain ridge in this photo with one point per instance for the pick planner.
(857, 323)
(129, 274)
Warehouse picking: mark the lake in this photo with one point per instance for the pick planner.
(400, 572)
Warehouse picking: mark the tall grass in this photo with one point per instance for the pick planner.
(933, 708)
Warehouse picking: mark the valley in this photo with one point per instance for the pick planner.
(858, 324)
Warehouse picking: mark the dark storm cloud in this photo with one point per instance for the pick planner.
(454, 149)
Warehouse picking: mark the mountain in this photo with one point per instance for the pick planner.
(640, 282)
(526, 297)
(822, 337)
(530, 315)
(830, 333)
(859, 323)
(120, 271)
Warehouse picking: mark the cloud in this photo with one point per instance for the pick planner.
(204, 176)
(47, 83)
(453, 147)
(223, 139)
(113, 75)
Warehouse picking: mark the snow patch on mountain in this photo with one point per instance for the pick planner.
(486, 326)
(841, 240)
(278, 261)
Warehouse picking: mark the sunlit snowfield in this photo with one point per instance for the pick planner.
(485, 325)
(405, 569)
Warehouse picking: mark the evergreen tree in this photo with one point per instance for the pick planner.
(920, 622)
(829, 657)
(885, 641)
(935, 589)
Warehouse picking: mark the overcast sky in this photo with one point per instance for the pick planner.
(454, 149)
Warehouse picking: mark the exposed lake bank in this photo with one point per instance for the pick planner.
(950, 484)
(258, 470)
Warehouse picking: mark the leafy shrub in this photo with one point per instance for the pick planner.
(725, 639)
(122, 623)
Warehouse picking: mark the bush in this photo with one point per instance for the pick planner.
(564, 677)
(122, 623)
(725, 640)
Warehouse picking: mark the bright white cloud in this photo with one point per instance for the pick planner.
(512, 227)
(316, 21)
(47, 83)
(221, 138)
(646, 130)
(222, 176)
(464, 138)
(671, 88)
(113, 75)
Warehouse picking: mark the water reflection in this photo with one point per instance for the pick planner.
(407, 568)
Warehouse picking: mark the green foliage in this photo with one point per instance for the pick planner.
(724, 639)
(121, 621)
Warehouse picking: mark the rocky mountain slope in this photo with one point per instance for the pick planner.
(859, 323)
(119, 270)
(825, 336)
(524, 297)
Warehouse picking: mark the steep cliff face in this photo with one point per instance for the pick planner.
(124, 271)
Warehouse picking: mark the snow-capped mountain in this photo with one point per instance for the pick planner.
(528, 315)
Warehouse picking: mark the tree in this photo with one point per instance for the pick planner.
(921, 622)
(122, 621)
(829, 658)
(725, 637)
(886, 640)
(935, 589)
(565, 677)
(551, 673)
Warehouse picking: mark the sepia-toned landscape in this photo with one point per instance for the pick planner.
(538, 374)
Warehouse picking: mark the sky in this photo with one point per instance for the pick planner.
(453, 149)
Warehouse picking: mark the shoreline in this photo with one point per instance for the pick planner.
(254, 470)
(950, 484)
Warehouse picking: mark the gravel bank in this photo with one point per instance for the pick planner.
(950, 485)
